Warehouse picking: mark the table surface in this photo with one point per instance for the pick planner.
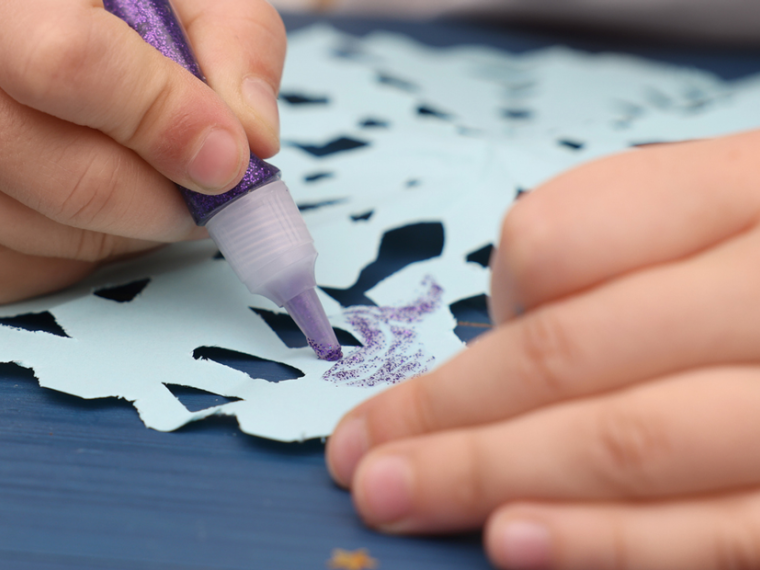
(84, 485)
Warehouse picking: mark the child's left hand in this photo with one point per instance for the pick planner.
(616, 423)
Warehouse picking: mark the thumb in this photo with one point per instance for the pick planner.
(81, 64)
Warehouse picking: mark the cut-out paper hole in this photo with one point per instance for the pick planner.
(517, 89)
(649, 143)
(472, 317)
(374, 124)
(284, 327)
(335, 146)
(362, 217)
(571, 144)
(289, 333)
(349, 50)
(35, 322)
(195, 399)
(428, 111)
(123, 293)
(254, 366)
(305, 207)
(396, 82)
(481, 256)
(413, 183)
(345, 338)
(302, 99)
(318, 176)
(398, 248)
(517, 114)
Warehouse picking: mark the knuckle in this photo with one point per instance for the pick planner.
(548, 350)
(157, 106)
(90, 194)
(93, 246)
(629, 446)
(51, 62)
(422, 418)
(620, 549)
(268, 28)
(469, 490)
(737, 544)
(268, 18)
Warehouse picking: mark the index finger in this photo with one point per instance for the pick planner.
(622, 214)
(240, 45)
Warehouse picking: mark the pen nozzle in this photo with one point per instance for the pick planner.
(309, 315)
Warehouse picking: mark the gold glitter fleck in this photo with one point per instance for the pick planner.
(352, 560)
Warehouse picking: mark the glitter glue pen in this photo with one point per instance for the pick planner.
(256, 225)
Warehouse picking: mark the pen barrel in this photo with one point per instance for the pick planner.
(157, 23)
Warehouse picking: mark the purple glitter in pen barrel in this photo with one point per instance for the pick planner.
(256, 225)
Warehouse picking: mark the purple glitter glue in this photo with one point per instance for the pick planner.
(391, 352)
(256, 225)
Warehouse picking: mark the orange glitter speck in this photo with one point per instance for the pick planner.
(352, 560)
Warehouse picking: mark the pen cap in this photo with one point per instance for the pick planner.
(264, 238)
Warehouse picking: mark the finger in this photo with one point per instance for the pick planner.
(698, 534)
(240, 45)
(691, 434)
(620, 214)
(79, 177)
(587, 344)
(25, 276)
(75, 61)
(30, 233)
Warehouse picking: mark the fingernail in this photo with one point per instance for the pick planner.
(525, 546)
(262, 99)
(385, 490)
(217, 163)
(345, 448)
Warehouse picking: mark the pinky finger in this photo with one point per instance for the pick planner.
(24, 276)
(698, 534)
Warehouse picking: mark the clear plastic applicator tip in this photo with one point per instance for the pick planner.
(266, 242)
(308, 313)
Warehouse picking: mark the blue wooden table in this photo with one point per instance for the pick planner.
(84, 485)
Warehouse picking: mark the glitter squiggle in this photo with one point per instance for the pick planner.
(391, 351)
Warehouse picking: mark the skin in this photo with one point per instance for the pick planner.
(103, 125)
(610, 419)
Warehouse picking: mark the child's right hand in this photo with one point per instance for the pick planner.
(96, 124)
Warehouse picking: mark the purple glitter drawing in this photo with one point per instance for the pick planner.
(391, 351)
(157, 24)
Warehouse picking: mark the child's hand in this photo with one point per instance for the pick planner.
(616, 424)
(94, 122)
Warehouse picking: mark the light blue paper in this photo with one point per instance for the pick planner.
(495, 123)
